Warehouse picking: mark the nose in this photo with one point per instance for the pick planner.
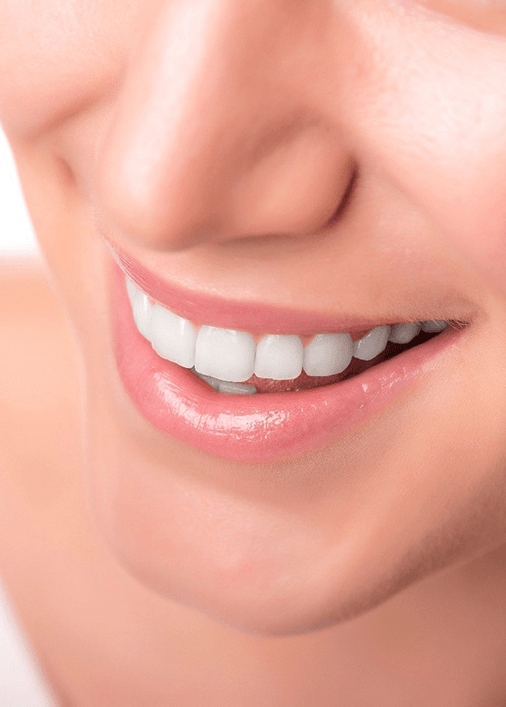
(217, 133)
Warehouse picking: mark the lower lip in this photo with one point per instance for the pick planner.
(261, 427)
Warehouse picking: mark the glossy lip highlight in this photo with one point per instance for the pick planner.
(256, 428)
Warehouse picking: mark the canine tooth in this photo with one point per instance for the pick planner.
(226, 354)
(404, 333)
(279, 357)
(236, 388)
(433, 326)
(142, 312)
(328, 354)
(173, 337)
(372, 344)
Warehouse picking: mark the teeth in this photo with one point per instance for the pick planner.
(404, 333)
(225, 354)
(328, 354)
(433, 326)
(225, 358)
(132, 290)
(142, 311)
(372, 344)
(173, 337)
(213, 382)
(279, 357)
(236, 388)
(226, 386)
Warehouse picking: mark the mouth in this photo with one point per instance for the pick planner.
(254, 396)
(235, 362)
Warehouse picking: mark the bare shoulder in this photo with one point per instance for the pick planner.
(39, 391)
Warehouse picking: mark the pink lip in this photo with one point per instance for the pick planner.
(256, 428)
(217, 311)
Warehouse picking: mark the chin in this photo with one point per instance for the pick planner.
(257, 571)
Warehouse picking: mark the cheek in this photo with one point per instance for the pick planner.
(485, 15)
(52, 59)
(435, 121)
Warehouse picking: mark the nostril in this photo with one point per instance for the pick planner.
(346, 199)
(296, 188)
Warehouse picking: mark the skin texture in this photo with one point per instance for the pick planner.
(209, 139)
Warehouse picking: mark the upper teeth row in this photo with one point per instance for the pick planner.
(231, 355)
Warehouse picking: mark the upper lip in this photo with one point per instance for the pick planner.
(217, 311)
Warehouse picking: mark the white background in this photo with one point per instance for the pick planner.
(16, 233)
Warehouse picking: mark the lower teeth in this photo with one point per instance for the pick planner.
(226, 387)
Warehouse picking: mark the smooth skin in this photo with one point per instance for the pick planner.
(346, 157)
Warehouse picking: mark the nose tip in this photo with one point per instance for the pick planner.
(209, 141)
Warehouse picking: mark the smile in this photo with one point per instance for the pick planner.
(197, 382)
(236, 362)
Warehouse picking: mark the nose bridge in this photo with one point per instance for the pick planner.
(209, 108)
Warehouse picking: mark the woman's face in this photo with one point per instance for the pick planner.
(276, 167)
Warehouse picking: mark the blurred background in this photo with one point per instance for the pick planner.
(16, 232)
